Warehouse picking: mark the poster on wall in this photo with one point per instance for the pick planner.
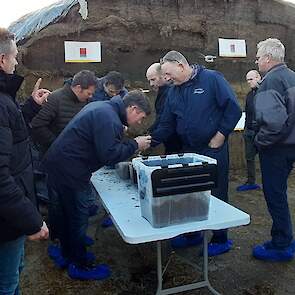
(82, 51)
(232, 47)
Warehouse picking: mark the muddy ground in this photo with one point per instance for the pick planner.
(134, 266)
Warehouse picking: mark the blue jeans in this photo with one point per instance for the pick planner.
(276, 165)
(11, 265)
(68, 218)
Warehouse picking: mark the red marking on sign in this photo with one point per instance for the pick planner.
(83, 52)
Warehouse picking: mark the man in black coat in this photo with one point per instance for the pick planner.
(93, 138)
(19, 216)
(252, 78)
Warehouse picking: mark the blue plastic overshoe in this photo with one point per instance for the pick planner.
(248, 187)
(215, 249)
(97, 272)
(187, 240)
(107, 222)
(266, 252)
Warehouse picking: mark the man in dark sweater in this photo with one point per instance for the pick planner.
(19, 216)
(93, 139)
(252, 78)
(61, 106)
(159, 84)
(274, 106)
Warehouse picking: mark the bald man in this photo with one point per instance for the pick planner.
(253, 78)
(161, 86)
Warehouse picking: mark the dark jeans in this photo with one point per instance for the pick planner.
(68, 219)
(11, 265)
(276, 165)
(221, 192)
(250, 153)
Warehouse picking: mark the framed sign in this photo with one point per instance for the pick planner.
(232, 47)
(82, 51)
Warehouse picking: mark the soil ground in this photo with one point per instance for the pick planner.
(134, 266)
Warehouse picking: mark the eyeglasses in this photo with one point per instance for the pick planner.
(163, 60)
(250, 79)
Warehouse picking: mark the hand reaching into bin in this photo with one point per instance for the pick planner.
(143, 142)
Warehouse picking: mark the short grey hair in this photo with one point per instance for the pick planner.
(85, 79)
(139, 99)
(6, 41)
(174, 56)
(272, 47)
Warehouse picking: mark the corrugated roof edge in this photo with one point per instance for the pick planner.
(39, 19)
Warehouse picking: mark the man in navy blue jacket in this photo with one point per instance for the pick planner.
(108, 86)
(93, 138)
(203, 110)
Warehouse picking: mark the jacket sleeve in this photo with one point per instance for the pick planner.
(29, 110)
(166, 125)
(227, 100)
(41, 131)
(15, 208)
(270, 117)
(110, 146)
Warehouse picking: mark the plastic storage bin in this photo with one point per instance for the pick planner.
(175, 189)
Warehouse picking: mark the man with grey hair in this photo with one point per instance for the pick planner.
(275, 138)
(159, 84)
(203, 110)
(253, 78)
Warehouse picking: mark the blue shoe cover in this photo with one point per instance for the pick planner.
(88, 241)
(247, 187)
(215, 249)
(107, 222)
(266, 252)
(53, 251)
(184, 241)
(269, 245)
(97, 272)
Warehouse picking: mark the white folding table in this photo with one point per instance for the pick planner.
(119, 198)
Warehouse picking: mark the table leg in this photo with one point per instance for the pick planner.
(201, 284)
(159, 268)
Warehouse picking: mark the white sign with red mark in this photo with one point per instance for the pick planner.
(232, 47)
(82, 51)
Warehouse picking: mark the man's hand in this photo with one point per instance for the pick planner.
(217, 140)
(143, 142)
(40, 235)
(40, 95)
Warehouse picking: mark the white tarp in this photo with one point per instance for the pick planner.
(82, 51)
(37, 20)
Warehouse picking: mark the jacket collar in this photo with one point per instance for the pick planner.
(120, 108)
(10, 83)
(70, 92)
(275, 68)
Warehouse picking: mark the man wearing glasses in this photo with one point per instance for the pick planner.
(275, 126)
(203, 110)
(252, 78)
